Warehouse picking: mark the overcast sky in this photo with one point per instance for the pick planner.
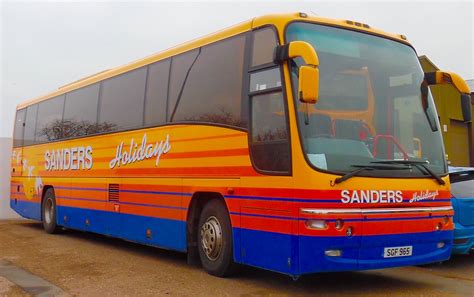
(45, 45)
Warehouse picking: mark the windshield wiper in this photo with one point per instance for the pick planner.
(420, 165)
(361, 168)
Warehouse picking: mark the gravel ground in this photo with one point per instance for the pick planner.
(9, 289)
(85, 264)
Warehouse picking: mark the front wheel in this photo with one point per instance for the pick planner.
(215, 240)
(49, 212)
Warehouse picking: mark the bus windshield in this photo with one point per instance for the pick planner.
(370, 109)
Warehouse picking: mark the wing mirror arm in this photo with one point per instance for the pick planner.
(308, 86)
(443, 77)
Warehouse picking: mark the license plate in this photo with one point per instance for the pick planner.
(399, 251)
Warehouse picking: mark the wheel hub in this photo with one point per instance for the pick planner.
(211, 238)
(48, 211)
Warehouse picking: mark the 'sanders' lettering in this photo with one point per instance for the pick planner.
(75, 158)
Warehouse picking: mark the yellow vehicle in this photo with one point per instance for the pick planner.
(287, 142)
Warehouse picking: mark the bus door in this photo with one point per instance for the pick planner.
(268, 221)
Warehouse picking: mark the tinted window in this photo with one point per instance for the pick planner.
(269, 135)
(121, 102)
(463, 189)
(344, 91)
(30, 125)
(180, 66)
(213, 91)
(156, 93)
(49, 123)
(80, 112)
(18, 129)
(264, 80)
(264, 43)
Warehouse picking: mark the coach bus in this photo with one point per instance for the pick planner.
(292, 143)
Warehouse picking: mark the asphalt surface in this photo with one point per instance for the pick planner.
(84, 264)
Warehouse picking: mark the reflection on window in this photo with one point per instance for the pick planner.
(18, 129)
(213, 90)
(49, 112)
(180, 66)
(269, 145)
(30, 125)
(343, 91)
(122, 100)
(370, 104)
(264, 80)
(268, 118)
(80, 112)
(157, 92)
(59, 129)
(264, 43)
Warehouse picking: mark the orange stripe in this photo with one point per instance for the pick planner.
(186, 171)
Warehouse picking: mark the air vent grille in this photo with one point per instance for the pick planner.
(114, 191)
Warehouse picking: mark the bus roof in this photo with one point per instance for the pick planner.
(278, 20)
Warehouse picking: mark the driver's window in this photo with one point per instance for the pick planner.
(269, 139)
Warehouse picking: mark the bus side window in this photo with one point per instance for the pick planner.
(30, 125)
(213, 90)
(264, 42)
(49, 125)
(80, 112)
(156, 93)
(269, 142)
(122, 99)
(19, 127)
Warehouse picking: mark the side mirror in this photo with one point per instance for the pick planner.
(442, 77)
(308, 87)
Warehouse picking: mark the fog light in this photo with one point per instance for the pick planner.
(440, 245)
(339, 224)
(349, 231)
(316, 224)
(439, 226)
(333, 253)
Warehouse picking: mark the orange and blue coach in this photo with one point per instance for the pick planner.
(289, 142)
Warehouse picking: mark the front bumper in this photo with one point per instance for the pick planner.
(428, 230)
(370, 254)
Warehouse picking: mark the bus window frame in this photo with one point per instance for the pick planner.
(248, 70)
(288, 65)
(244, 103)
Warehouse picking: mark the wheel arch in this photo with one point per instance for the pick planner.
(43, 193)
(196, 205)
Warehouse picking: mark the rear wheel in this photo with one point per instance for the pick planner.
(215, 240)
(49, 212)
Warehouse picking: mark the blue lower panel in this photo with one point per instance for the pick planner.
(27, 209)
(165, 233)
(272, 251)
(296, 255)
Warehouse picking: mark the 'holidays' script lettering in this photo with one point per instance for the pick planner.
(426, 195)
(139, 153)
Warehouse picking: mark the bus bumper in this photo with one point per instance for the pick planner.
(367, 252)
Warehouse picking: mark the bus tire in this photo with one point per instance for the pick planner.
(215, 240)
(49, 212)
